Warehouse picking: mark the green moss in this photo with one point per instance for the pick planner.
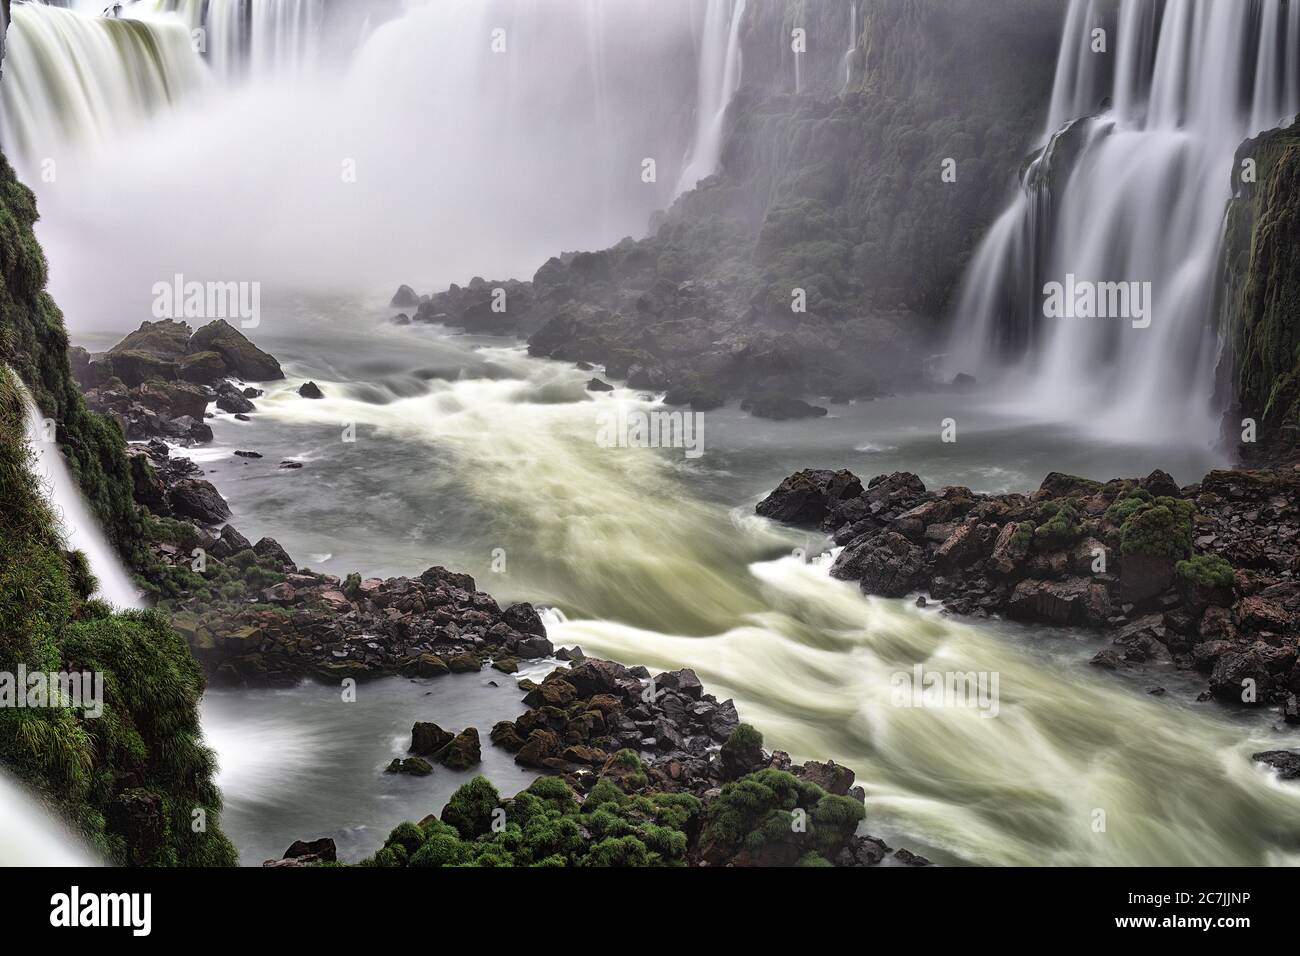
(472, 808)
(1209, 571)
(1154, 527)
(1056, 525)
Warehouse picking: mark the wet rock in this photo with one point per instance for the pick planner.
(415, 766)
(404, 298)
(241, 356)
(523, 617)
(886, 564)
(322, 850)
(428, 738)
(806, 497)
(231, 399)
(596, 385)
(198, 499)
(1285, 762)
(1240, 677)
(310, 390)
(780, 408)
(462, 752)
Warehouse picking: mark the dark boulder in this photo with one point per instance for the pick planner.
(462, 751)
(310, 390)
(523, 617)
(1285, 762)
(241, 356)
(806, 497)
(198, 499)
(404, 298)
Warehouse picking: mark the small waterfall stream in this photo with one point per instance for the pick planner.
(1134, 193)
(80, 530)
(719, 75)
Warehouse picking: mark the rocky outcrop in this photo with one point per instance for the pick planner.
(159, 380)
(793, 271)
(1199, 577)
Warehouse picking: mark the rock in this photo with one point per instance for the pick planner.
(310, 390)
(198, 499)
(1143, 576)
(683, 681)
(523, 618)
(1285, 762)
(404, 298)
(201, 368)
(1108, 660)
(504, 735)
(416, 766)
(506, 665)
(135, 368)
(806, 497)
(232, 400)
(322, 850)
(241, 356)
(174, 399)
(830, 776)
(427, 665)
(540, 746)
(247, 454)
(428, 738)
(1161, 485)
(270, 548)
(166, 340)
(1240, 677)
(596, 385)
(290, 465)
(462, 752)
(1011, 548)
(464, 664)
(886, 564)
(778, 407)
(1072, 601)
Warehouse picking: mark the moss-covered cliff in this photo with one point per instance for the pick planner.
(1262, 297)
(34, 342)
(135, 780)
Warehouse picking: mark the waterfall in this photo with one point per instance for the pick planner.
(1134, 193)
(75, 79)
(719, 75)
(853, 45)
(32, 836)
(248, 37)
(80, 531)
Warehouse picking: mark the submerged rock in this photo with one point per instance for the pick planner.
(310, 390)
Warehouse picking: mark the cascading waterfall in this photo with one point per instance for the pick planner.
(79, 528)
(853, 44)
(31, 836)
(75, 79)
(719, 75)
(249, 37)
(1132, 194)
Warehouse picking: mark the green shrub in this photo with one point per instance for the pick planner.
(1209, 571)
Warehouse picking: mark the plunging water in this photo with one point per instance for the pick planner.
(1143, 134)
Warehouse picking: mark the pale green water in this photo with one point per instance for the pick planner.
(655, 559)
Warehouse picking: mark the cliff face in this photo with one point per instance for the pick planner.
(1262, 294)
(821, 256)
(849, 170)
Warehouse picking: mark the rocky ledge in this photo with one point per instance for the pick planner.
(686, 339)
(641, 771)
(251, 615)
(160, 379)
(1199, 578)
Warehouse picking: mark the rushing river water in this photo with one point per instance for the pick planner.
(467, 452)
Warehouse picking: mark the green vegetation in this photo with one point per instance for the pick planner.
(545, 825)
(34, 343)
(1056, 525)
(1154, 527)
(136, 779)
(1262, 241)
(1208, 571)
